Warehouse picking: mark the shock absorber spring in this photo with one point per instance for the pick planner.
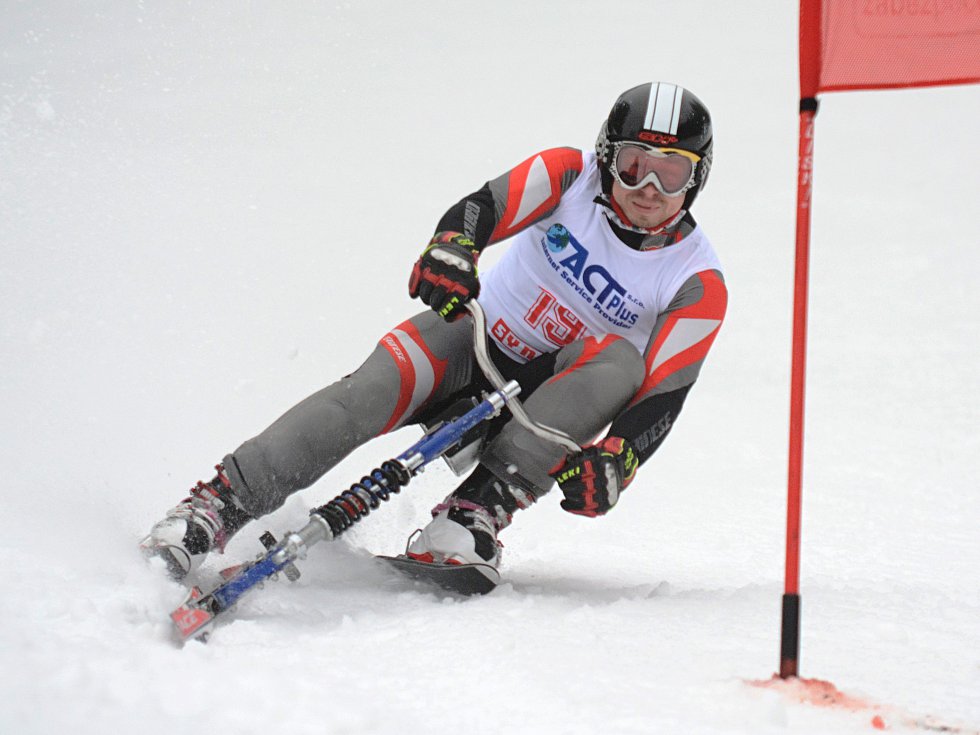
(362, 497)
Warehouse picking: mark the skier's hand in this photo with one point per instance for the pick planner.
(593, 479)
(444, 276)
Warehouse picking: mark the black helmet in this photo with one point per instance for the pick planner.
(661, 115)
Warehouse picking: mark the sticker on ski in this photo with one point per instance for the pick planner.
(192, 619)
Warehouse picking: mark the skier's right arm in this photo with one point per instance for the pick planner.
(445, 275)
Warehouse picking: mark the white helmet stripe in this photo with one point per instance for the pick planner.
(651, 106)
(663, 108)
(676, 117)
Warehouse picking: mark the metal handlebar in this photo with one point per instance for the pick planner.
(497, 381)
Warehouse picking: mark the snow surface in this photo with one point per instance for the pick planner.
(209, 210)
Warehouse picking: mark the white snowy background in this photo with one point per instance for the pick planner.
(209, 210)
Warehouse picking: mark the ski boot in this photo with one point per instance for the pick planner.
(203, 521)
(464, 527)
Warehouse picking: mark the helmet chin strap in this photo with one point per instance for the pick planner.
(618, 216)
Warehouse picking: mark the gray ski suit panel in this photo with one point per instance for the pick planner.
(313, 436)
(317, 433)
(591, 387)
(593, 382)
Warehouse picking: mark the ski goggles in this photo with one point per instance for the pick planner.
(670, 170)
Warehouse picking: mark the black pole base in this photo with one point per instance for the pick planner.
(789, 649)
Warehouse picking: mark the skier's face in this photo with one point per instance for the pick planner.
(646, 207)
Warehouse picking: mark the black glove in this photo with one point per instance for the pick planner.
(444, 276)
(593, 479)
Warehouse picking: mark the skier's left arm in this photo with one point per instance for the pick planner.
(593, 479)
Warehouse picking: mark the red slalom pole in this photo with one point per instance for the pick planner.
(790, 636)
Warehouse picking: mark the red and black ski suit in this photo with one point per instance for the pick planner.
(605, 327)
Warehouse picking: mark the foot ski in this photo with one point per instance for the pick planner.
(194, 619)
(196, 616)
(465, 579)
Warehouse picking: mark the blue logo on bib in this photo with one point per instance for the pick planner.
(558, 237)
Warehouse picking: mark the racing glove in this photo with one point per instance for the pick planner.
(445, 276)
(593, 479)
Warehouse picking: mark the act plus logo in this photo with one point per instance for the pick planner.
(591, 281)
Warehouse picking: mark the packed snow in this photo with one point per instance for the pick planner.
(210, 210)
